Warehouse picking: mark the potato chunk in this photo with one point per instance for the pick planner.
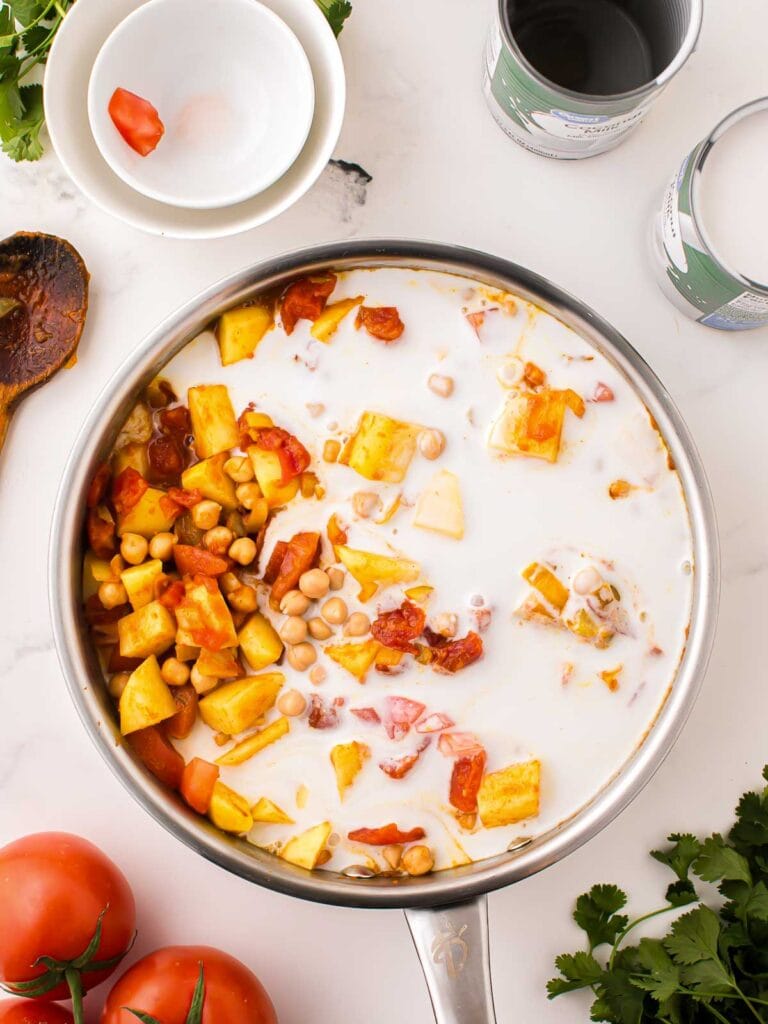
(131, 456)
(236, 706)
(213, 419)
(532, 423)
(381, 448)
(95, 572)
(440, 507)
(374, 571)
(209, 478)
(268, 471)
(267, 811)
(304, 849)
(259, 642)
(146, 700)
(327, 323)
(510, 795)
(204, 619)
(239, 331)
(139, 582)
(229, 811)
(356, 658)
(348, 760)
(548, 585)
(149, 630)
(250, 746)
(147, 517)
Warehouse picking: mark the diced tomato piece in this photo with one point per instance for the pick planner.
(305, 300)
(172, 594)
(398, 767)
(400, 714)
(322, 715)
(534, 376)
(182, 723)
(190, 560)
(452, 655)
(185, 498)
(300, 555)
(128, 489)
(137, 121)
(272, 570)
(466, 777)
(157, 753)
(98, 486)
(294, 457)
(435, 723)
(166, 459)
(102, 532)
(367, 715)
(197, 782)
(399, 628)
(385, 835)
(381, 322)
(603, 393)
(459, 744)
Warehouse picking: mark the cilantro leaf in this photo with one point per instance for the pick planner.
(624, 1000)
(23, 142)
(336, 11)
(663, 978)
(681, 855)
(718, 861)
(578, 970)
(693, 944)
(751, 828)
(597, 914)
(681, 894)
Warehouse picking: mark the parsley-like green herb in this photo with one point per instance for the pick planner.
(336, 11)
(712, 965)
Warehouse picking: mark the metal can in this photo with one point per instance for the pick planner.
(566, 124)
(689, 271)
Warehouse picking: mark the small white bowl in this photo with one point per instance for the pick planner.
(232, 85)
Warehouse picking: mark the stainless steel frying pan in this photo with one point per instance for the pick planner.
(446, 911)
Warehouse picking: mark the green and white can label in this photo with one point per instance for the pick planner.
(690, 274)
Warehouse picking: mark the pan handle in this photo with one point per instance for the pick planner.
(452, 943)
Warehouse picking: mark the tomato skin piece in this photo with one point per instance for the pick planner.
(182, 723)
(385, 835)
(397, 629)
(53, 887)
(137, 121)
(466, 777)
(127, 490)
(190, 560)
(381, 322)
(294, 457)
(98, 485)
(197, 784)
(157, 753)
(33, 1011)
(162, 985)
(102, 533)
(305, 299)
(300, 555)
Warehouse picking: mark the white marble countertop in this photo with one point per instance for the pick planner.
(441, 170)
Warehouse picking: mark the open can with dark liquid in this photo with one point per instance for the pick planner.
(570, 79)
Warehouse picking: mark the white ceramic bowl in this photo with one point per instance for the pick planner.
(77, 44)
(233, 88)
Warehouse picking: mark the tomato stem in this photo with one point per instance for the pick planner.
(72, 975)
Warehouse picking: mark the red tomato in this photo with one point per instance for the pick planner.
(33, 1011)
(163, 983)
(136, 120)
(53, 888)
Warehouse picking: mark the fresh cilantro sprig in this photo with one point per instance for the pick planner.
(336, 11)
(27, 30)
(712, 965)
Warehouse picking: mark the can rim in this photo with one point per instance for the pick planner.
(705, 149)
(659, 81)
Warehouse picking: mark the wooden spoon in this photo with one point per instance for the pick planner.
(43, 303)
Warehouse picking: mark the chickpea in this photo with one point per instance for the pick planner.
(218, 540)
(334, 611)
(318, 629)
(317, 675)
(202, 684)
(174, 672)
(133, 548)
(243, 551)
(239, 469)
(243, 599)
(248, 495)
(228, 582)
(117, 684)
(431, 444)
(314, 584)
(205, 514)
(302, 656)
(510, 373)
(293, 631)
(365, 503)
(586, 581)
(161, 546)
(358, 624)
(440, 385)
(393, 855)
(335, 577)
(221, 739)
(417, 860)
(291, 703)
(294, 603)
(112, 594)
